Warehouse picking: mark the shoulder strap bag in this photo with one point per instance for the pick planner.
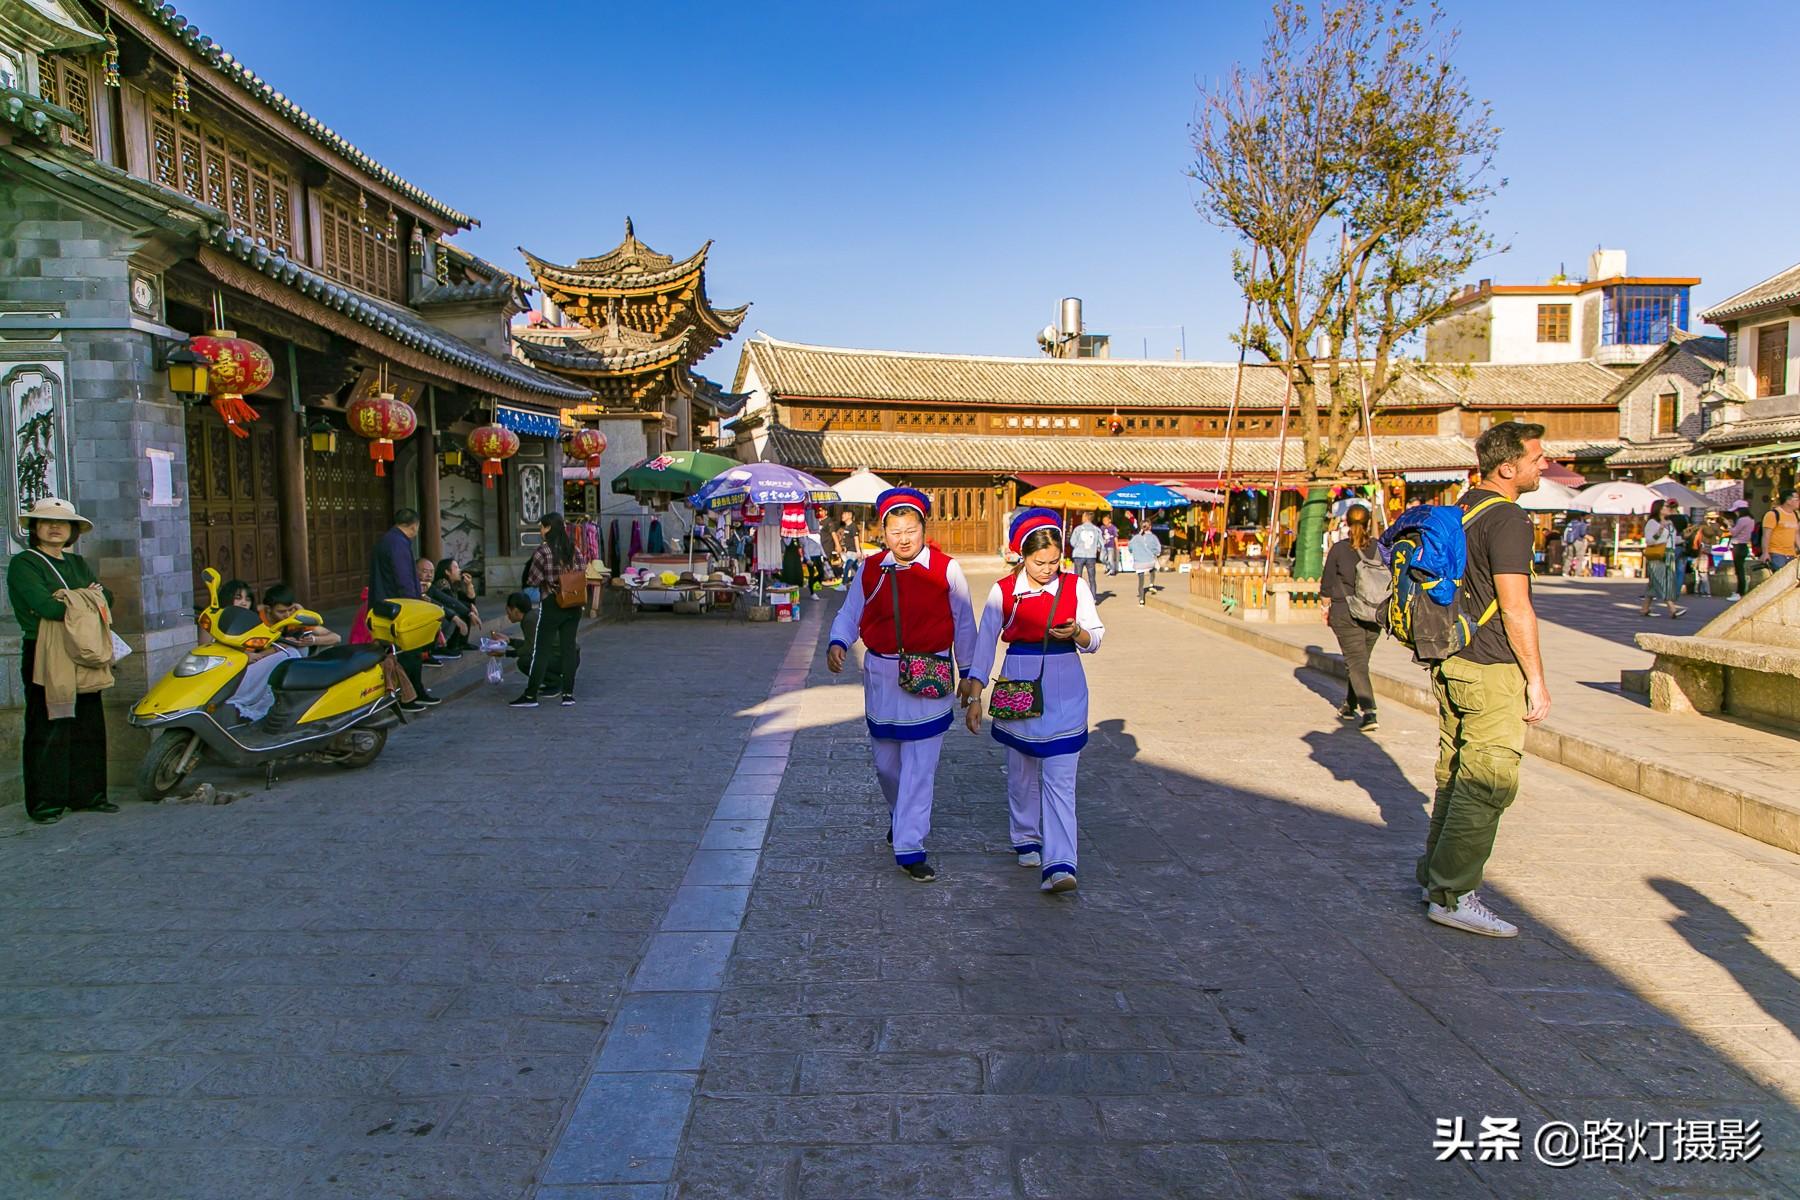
(1023, 699)
(923, 675)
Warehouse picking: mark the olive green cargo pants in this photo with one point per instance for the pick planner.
(1481, 738)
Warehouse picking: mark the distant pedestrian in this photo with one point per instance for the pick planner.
(1662, 555)
(1577, 544)
(1779, 527)
(521, 612)
(1109, 544)
(812, 545)
(1701, 536)
(557, 626)
(1085, 542)
(394, 575)
(1492, 690)
(449, 591)
(1354, 637)
(1743, 529)
(1044, 616)
(1145, 549)
(63, 750)
(846, 541)
(910, 606)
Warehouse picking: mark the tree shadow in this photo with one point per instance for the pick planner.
(1715, 932)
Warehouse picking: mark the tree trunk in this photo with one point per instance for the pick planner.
(1309, 536)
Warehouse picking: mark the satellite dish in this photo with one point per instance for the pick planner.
(1048, 336)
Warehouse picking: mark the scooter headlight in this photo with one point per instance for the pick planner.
(197, 664)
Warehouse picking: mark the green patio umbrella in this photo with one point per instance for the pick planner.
(677, 473)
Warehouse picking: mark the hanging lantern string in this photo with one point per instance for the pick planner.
(1237, 390)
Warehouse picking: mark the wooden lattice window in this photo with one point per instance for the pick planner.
(1668, 412)
(1771, 360)
(360, 250)
(68, 80)
(1553, 322)
(200, 160)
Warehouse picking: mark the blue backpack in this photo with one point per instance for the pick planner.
(1427, 551)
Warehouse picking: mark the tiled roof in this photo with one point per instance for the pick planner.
(794, 371)
(1012, 453)
(1649, 454)
(1528, 385)
(1783, 288)
(1579, 447)
(256, 88)
(1748, 433)
(34, 114)
(395, 321)
(598, 357)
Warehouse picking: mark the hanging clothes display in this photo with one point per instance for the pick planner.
(612, 548)
(637, 539)
(657, 544)
(793, 521)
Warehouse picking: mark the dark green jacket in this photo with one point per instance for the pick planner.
(32, 584)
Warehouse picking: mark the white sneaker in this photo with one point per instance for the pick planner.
(1734, 598)
(1424, 895)
(1472, 916)
(1031, 858)
(1060, 881)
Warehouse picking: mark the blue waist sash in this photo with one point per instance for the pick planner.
(1068, 647)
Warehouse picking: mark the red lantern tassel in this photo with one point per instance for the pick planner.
(490, 467)
(593, 464)
(235, 411)
(382, 451)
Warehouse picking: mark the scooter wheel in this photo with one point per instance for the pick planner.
(358, 748)
(162, 769)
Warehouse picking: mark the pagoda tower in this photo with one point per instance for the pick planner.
(630, 324)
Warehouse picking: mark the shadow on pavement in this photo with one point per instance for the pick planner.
(1712, 929)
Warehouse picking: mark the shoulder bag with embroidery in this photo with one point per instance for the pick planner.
(1022, 699)
(923, 675)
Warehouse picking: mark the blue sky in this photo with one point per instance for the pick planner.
(933, 176)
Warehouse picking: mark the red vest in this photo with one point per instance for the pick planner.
(1026, 620)
(925, 617)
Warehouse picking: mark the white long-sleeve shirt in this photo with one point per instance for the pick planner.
(846, 628)
(993, 624)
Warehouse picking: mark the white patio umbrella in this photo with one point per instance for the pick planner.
(1618, 498)
(862, 486)
(1683, 496)
(1550, 496)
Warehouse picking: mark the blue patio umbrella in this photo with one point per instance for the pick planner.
(761, 484)
(1147, 495)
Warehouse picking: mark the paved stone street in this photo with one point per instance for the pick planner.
(439, 977)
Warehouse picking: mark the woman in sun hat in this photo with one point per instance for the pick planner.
(1047, 618)
(910, 602)
(64, 760)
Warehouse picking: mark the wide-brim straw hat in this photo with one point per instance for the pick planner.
(52, 509)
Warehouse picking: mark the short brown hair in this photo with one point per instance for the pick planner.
(1504, 443)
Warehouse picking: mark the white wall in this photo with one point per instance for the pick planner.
(1744, 374)
(1514, 329)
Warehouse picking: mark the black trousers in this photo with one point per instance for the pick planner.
(64, 761)
(556, 630)
(1357, 640)
(1740, 554)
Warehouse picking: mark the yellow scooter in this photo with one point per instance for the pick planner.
(334, 705)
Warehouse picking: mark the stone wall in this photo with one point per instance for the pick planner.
(72, 335)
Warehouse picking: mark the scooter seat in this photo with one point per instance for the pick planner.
(325, 668)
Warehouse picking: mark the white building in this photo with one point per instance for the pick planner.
(1610, 318)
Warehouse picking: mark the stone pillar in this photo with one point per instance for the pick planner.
(431, 511)
(290, 483)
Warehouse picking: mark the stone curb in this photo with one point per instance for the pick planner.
(1722, 804)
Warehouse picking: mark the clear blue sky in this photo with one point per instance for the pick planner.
(934, 176)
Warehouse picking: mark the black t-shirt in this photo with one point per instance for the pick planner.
(1500, 543)
(1338, 581)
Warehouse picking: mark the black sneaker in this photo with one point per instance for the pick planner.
(431, 660)
(101, 806)
(48, 816)
(921, 872)
(568, 700)
(412, 706)
(1370, 722)
(523, 702)
(429, 700)
(1347, 711)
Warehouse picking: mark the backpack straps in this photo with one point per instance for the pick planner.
(1469, 515)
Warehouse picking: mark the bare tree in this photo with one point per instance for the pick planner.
(1355, 161)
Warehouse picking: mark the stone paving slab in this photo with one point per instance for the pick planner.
(1727, 772)
(388, 983)
(1244, 998)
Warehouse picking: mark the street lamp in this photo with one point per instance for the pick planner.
(189, 370)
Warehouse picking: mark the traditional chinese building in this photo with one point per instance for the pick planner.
(152, 184)
(974, 431)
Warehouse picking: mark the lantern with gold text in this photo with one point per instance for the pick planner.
(588, 445)
(384, 420)
(493, 445)
(238, 367)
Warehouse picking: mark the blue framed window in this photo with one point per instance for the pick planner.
(1643, 314)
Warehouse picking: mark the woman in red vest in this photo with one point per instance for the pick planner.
(910, 608)
(1045, 617)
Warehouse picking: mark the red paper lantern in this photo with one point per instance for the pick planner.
(238, 366)
(493, 444)
(384, 420)
(588, 445)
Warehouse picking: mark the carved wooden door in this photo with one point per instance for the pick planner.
(964, 520)
(348, 507)
(234, 514)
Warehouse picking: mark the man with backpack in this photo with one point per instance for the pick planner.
(1490, 688)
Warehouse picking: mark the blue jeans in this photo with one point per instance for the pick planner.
(1778, 561)
(1089, 568)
